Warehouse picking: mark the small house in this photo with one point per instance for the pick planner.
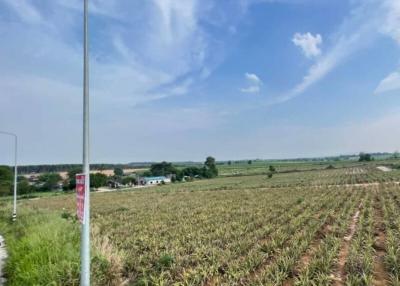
(155, 180)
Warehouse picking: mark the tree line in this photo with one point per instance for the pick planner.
(49, 181)
(208, 170)
(68, 167)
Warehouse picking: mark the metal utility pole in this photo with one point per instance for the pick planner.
(85, 233)
(14, 214)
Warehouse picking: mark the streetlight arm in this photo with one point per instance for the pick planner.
(8, 133)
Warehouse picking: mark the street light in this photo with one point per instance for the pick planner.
(14, 215)
(85, 232)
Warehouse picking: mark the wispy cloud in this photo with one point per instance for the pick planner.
(392, 24)
(391, 28)
(390, 83)
(25, 10)
(308, 43)
(163, 45)
(254, 83)
(357, 31)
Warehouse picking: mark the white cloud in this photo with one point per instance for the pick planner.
(356, 32)
(308, 43)
(391, 26)
(322, 67)
(254, 83)
(167, 47)
(390, 83)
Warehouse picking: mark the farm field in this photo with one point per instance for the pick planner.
(312, 227)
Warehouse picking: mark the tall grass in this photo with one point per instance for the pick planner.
(43, 249)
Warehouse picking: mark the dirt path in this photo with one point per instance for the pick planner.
(381, 276)
(340, 275)
(3, 256)
(384, 168)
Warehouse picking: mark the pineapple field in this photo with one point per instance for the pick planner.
(316, 226)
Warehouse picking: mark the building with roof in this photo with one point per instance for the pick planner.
(154, 180)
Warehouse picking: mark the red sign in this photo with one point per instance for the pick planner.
(80, 196)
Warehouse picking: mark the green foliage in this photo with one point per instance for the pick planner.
(71, 183)
(272, 168)
(119, 172)
(69, 167)
(24, 187)
(165, 261)
(162, 169)
(365, 157)
(43, 250)
(129, 180)
(6, 179)
(98, 180)
(249, 162)
(49, 181)
(211, 170)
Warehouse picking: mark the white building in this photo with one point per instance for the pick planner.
(155, 180)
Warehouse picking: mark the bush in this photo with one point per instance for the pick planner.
(6, 178)
(365, 157)
(98, 180)
(165, 261)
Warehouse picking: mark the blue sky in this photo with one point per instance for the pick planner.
(180, 80)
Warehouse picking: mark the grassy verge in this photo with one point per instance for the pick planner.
(43, 249)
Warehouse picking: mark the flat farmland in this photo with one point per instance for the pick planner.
(312, 227)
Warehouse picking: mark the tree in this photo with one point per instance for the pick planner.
(249, 162)
(147, 174)
(129, 180)
(72, 177)
(210, 169)
(6, 179)
(365, 157)
(272, 169)
(49, 181)
(24, 187)
(193, 172)
(162, 169)
(119, 172)
(98, 180)
(229, 163)
(210, 162)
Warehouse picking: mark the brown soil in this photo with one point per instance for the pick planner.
(381, 276)
(340, 275)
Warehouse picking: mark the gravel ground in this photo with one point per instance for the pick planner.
(3, 256)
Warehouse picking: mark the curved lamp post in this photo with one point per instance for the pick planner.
(14, 214)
